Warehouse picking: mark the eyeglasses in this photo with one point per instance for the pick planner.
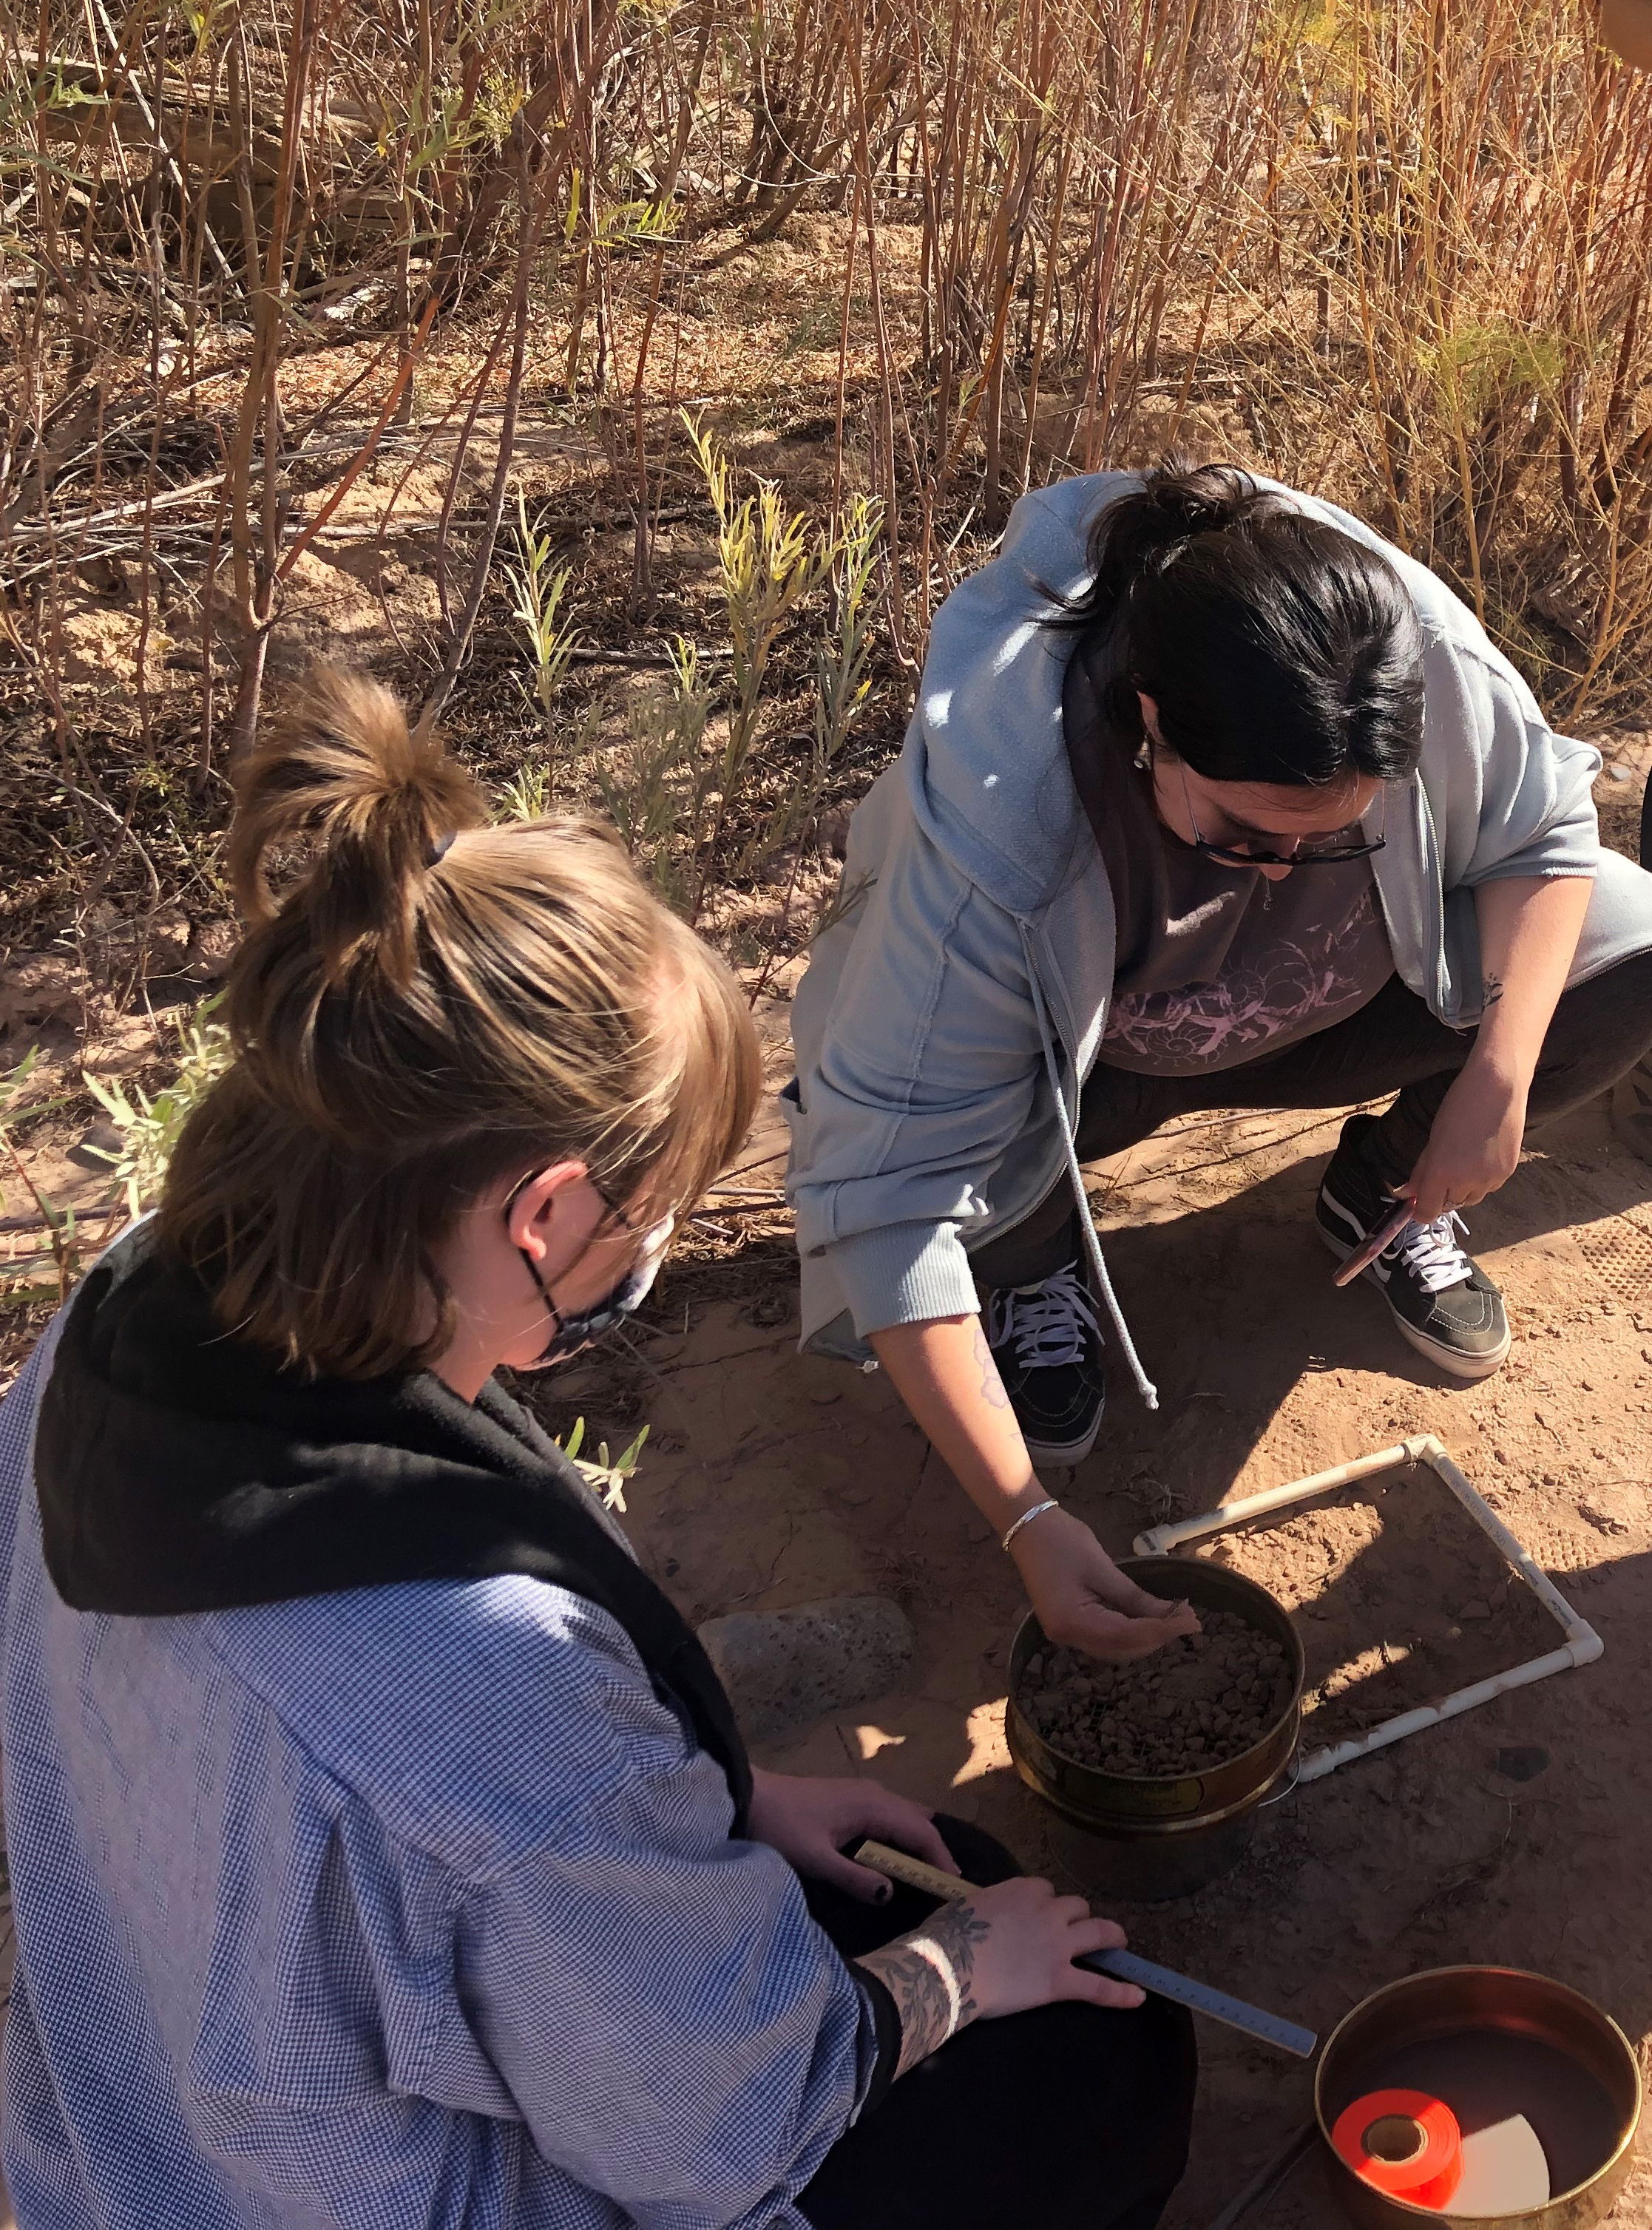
(1324, 855)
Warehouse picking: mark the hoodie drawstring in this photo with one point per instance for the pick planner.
(1145, 1385)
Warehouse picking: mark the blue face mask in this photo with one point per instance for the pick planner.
(581, 1329)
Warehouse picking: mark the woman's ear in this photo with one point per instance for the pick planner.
(537, 1207)
(1150, 717)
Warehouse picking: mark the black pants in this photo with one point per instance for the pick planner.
(1599, 1030)
(1066, 2118)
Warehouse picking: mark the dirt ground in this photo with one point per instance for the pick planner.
(1514, 1834)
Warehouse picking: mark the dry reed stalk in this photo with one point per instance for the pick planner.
(1395, 250)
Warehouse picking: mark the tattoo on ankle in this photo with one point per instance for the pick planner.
(1493, 990)
(992, 1385)
(930, 1975)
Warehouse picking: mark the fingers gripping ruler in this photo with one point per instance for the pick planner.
(1122, 1966)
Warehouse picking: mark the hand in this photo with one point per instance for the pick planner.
(1026, 1939)
(1473, 1147)
(1082, 1599)
(1000, 1951)
(809, 1821)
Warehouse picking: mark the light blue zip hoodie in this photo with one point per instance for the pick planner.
(953, 1010)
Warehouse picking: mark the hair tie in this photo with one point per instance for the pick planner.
(441, 849)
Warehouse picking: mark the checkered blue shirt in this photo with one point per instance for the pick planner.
(409, 1909)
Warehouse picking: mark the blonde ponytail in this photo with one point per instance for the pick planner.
(341, 769)
(421, 1004)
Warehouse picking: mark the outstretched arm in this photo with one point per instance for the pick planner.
(1529, 929)
(943, 1371)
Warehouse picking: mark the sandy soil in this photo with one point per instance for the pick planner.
(1514, 1834)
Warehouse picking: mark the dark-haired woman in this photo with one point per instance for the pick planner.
(1212, 799)
(383, 1855)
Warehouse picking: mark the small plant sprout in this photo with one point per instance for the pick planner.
(526, 795)
(606, 1477)
(654, 783)
(59, 1222)
(842, 683)
(841, 664)
(770, 562)
(150, 1128)
(540, 585)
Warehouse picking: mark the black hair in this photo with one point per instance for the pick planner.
(1277, 648)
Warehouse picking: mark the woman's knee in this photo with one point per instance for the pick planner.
(1143, 2063)
(1600, 1028)
(1104, 2097)
(1101, 2105)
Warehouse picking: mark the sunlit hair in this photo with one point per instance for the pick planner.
(1277, 647)
(424, 1004)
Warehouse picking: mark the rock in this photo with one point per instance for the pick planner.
(40, 987)
(1603, 1521)
(153, 943)
(94, 1150)
(785, 1669)
(210, 950)
(1474, 1610)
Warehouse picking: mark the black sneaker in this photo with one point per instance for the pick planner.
(1047, 1344)
(1441, 1298)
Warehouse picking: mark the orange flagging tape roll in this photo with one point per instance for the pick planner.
(1403, 2142)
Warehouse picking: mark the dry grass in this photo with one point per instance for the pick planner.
(371, 326)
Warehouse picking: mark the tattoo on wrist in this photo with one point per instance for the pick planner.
(991, 1385)
(931, 1974)
(1493, 990)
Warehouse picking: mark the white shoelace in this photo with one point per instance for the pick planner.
(1046, 1321)
(1430, 1251)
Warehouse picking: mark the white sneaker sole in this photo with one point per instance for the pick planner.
(1460, 1366)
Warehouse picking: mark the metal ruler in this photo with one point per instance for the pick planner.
(1122, 1966)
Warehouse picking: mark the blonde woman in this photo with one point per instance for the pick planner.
(382, 1848)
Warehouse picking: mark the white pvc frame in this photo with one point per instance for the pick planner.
(1582, 1646)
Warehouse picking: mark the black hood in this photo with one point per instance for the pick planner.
(180, 1469)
